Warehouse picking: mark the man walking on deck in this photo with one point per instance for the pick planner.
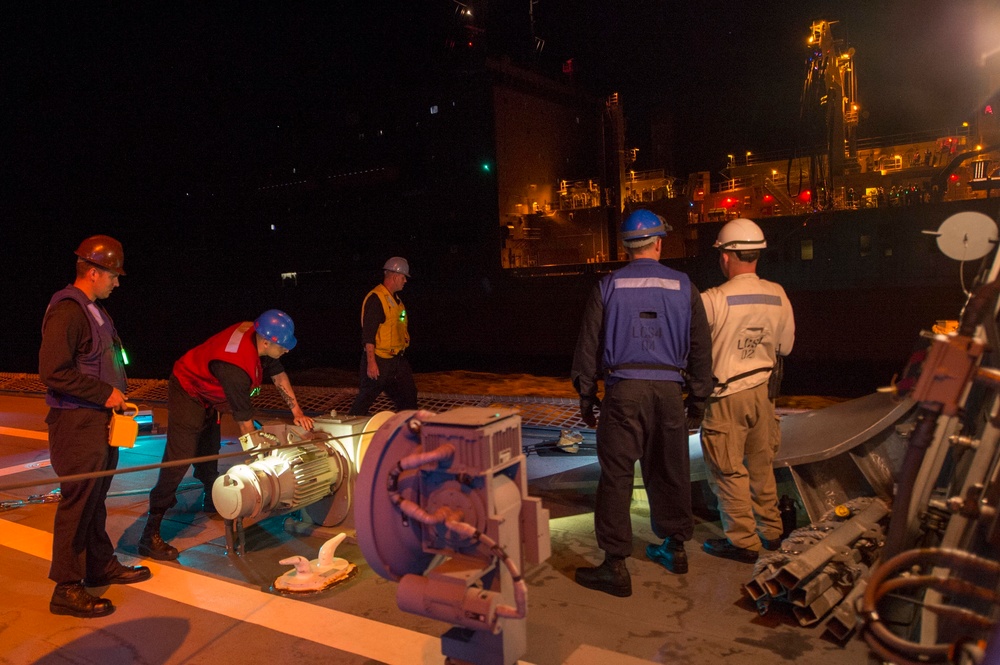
(80, 363)
(386, 337)
(218, 376)
(644, 332)
(752, 325)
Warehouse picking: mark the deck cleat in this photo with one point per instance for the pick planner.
(318, 574)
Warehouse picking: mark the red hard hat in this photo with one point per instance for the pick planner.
(103, 251)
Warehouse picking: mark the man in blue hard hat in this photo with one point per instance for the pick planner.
(644, 332)
(386, 336)
(217, 376)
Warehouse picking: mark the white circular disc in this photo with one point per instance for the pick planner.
(967, 236)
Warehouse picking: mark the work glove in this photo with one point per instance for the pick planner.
(587, 405)
(695, 410)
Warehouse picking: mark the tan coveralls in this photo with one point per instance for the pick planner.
(752, 323)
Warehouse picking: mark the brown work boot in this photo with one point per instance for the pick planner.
(610, 577)
(72, 599)
(151, 544)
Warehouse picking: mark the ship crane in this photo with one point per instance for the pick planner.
(829, 111)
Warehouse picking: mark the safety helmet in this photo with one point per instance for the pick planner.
(740, 234)
(277, 327)
(397, 264)
(643, 224)
(103, 251)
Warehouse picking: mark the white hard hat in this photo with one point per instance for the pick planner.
(740, 234)
(397, 264)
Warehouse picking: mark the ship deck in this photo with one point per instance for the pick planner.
(215, 607)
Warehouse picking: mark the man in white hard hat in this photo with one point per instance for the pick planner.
(752, 325)
(386, 337)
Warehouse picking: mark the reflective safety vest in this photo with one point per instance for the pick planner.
(103, 361)
(752, 323)
(647, 322)
(392, 337)
(236, 345)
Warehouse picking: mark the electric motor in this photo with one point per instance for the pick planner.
(281, 480)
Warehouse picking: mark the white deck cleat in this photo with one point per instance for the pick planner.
(318, 574)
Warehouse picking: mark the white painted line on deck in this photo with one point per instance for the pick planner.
(18, 468)
(338, 630)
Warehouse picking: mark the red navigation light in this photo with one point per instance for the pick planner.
(768, 198)
(953, 177)
(728, 202)
(805, 196)
(988, 110)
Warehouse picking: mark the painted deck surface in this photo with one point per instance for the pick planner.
(214, 607)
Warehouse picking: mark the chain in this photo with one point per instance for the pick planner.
(51, 497)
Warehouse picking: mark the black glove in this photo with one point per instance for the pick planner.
(695, 413)
(587, 405)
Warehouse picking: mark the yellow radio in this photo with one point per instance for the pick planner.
(123, 428)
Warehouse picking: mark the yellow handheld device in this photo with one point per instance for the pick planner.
(123, 428)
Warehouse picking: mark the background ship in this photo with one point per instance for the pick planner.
(505, 188)
(844, 217)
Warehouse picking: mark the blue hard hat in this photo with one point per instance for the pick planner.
(277, 327)
(643, 224)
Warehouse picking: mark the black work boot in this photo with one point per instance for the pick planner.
(670, 554)
(209, 505)
(721, 547)
(119, 574)
(610, 577)
(151, 544)
(72, 599)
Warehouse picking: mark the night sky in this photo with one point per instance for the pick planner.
(144, 119)
(117, 109)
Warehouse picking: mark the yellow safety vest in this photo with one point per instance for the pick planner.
(392, 336)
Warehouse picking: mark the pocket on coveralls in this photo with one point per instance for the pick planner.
(717, 453)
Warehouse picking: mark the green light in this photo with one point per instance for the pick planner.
(486, 167)
(124, 357)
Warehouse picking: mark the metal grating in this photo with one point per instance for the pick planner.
(541, 412)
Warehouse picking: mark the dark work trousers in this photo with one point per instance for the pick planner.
(642, 421)
(192, 431)
(394, 378)
(78, 443)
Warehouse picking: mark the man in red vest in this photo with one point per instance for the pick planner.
(218, 376)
